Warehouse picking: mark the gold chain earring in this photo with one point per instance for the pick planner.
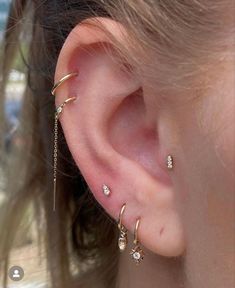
(137, 254)
(122, 240)
(58, 111)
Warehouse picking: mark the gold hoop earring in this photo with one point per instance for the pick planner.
(61, 81)
(137, 254)
(58, 111)
(122, 239)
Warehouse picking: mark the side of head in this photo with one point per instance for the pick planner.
(154, 78)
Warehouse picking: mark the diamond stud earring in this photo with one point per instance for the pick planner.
(170, 162)
(122, 240)
(137, 254)
(106, 190)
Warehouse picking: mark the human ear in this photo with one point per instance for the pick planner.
(111, 138)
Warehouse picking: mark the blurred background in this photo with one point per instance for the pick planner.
(28, 252)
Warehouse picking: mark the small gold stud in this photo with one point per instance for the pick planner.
(106, 190)
(170, 162)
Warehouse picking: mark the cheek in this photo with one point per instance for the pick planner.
(221, 205)
(225, 146)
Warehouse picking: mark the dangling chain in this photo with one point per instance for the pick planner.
(58, 111)
(57, 114)
(55, 159)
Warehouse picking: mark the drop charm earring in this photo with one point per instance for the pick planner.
(137, 254)
(122, 239)
(58, 111)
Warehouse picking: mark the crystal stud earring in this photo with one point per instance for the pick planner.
(170, 162)
(106, 190)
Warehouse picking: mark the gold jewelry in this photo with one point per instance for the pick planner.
(58, 111)
(137, 254)
(61, 81)
(106, 190)
(170, 162)
(122, 240)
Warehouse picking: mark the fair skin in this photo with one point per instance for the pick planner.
(120, 137)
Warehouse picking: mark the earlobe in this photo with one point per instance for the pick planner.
(111, 140)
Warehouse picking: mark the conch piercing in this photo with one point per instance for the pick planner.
(170, 162)
(106, 190)
(58, 111)
(137, 254)
(122, 240)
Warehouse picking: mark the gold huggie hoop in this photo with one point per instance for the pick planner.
(137, 254)
(58, 111)
(121, 216)
(136, 241)
(122, 240)
(62, 80)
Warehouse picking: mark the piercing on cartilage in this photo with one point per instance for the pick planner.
(106, 190)
(137, 254)
(170, 162)
(122, 239)
(58, 111)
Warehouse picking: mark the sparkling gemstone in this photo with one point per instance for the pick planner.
(136, 255)
(59, 110)
(106, 190)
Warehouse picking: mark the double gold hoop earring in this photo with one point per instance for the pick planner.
(58, 111)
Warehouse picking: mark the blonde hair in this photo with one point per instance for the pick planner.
(181, 39)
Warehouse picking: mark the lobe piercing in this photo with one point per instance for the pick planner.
(106, 190)
(137, 254)
(122, 240)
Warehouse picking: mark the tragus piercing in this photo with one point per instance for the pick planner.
(122, 240)
(137, 254)
(58, 111)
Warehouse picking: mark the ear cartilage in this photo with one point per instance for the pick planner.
(106, 190)
(170, 162)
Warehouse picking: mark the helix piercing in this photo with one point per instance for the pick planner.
(58, 111)
(61, 81)
(137, 254)
(170, 162)
(122, 239)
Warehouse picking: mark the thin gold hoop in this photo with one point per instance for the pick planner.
(122, 239)
(61, 81)
(136, 240)
(60, 108)
(120, 225)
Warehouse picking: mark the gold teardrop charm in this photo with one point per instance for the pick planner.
(122, 240)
